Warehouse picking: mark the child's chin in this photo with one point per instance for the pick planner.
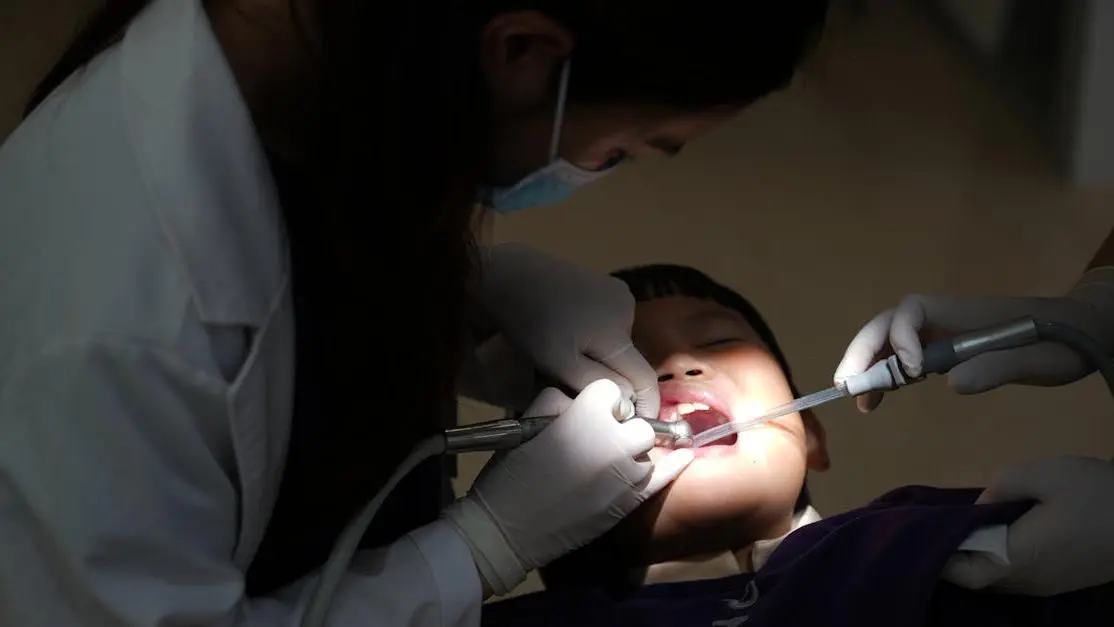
(704, 452)
(714, 451)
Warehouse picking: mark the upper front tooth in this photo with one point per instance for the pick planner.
(687, 408)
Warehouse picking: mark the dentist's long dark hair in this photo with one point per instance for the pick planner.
(382, 219)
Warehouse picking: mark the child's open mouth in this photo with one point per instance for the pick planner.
(699, 409)
(701, 418)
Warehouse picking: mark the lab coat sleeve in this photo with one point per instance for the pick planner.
(119, 508)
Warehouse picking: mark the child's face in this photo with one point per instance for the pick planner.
(709, 359)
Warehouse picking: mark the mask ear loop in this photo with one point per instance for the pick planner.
(559, 112)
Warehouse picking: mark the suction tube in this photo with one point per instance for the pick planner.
(943, 355)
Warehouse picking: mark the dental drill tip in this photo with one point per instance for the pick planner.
(624, 411)
(682, 434)
(677, 434)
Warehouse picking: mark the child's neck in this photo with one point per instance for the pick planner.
(742, 559)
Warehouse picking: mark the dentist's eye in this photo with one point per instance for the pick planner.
(614, 158)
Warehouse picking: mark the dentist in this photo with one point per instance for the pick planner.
(237, 271)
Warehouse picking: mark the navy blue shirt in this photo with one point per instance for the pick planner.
(878, 565)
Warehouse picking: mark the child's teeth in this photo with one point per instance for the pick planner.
(687, 408)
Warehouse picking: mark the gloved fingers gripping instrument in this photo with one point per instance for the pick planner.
(494, 435)
(939, 358)
(943, 355)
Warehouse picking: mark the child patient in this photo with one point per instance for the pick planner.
(715, 548)
(717, 360)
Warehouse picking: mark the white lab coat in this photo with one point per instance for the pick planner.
(146, 360)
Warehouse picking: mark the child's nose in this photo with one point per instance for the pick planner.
(683, 368)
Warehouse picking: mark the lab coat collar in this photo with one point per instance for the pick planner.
(202, 163)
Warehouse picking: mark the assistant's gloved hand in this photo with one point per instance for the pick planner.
(564, 488)
(1089, 307)
(572, 322)
(1064, 543)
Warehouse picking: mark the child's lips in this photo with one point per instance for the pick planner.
(698, 406)
(685, 399)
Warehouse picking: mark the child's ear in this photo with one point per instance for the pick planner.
(817, 442)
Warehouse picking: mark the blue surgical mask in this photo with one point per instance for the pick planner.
(552, 183)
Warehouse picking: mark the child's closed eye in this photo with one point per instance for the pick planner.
(721, 342)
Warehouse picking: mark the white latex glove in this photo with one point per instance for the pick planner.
(572, 322)
(1089, 307)
(564, 488)
(1065, 543)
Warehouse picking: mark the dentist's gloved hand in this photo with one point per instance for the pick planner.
(572, 322)
(564, 488)
(923, 318)
(1064, 543)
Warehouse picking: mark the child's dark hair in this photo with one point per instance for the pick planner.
(663, 280)
(588, 567)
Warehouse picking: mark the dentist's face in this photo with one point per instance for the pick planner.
(522, 54)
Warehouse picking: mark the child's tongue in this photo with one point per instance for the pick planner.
(703, 420)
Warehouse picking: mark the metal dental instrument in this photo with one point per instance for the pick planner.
(888, 374)
(505, 433)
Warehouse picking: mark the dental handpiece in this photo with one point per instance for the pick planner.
(506, 433)
(889, 374)
(941, 356)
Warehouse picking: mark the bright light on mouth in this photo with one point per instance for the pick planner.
(702, 417)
